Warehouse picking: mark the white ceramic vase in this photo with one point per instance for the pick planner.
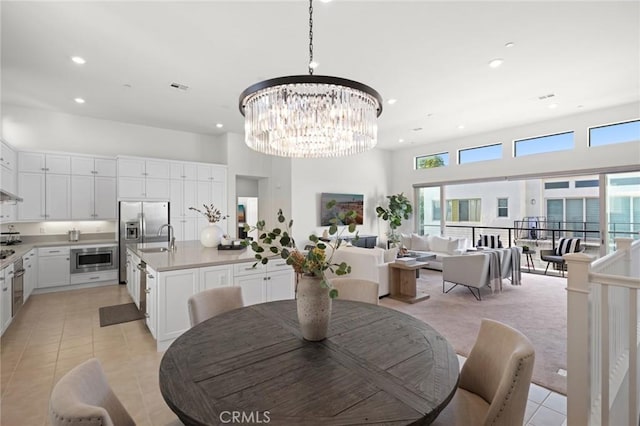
(211, 235)
(314, 308)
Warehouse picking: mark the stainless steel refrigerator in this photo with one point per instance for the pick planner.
(139, 223)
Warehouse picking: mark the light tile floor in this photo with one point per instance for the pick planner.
(56, 331)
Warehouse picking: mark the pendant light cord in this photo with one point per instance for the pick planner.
(310, 36)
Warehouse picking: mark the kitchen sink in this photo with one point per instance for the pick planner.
(154, 250)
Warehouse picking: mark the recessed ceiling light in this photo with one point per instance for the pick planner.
(219, 125)
(495, 63)
(400, 140)
(392, 101)
(78, 60)
(510, 44)
(461, 126)
(79, 100)
(313, 65)
(553, 106)
(325, 1)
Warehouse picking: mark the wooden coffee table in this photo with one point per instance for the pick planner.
(402, 281)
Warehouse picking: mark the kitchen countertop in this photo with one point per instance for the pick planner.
(24, 248)
(189, 255)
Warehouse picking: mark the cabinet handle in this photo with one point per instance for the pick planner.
(1, 278)
(67, 258)
(94, 278)
(268, 278)
(11, 273)
(46, 169)
(147, 316)
(54, 251)
(147, 291)
(5, 289)
(150, 276)
(43, 169)
(249, 269)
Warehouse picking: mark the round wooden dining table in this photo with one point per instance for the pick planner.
(251, 365)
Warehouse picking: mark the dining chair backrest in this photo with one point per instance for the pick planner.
(83, 397)
(499, 370)
(215, 301)
(356, 289)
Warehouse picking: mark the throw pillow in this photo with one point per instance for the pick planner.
(405, 240)
(567, 245)
(419, 242)
(452, 246)
(440, 244)
(390, 254)
(491, 241)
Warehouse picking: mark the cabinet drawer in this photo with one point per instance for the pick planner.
(241, 269)
(53, 251)
(275, 265)
(91, 277)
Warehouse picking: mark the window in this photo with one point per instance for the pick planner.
(577, 214)
(556, 185)
(542, 144)
(482, 153)
(615, 133)
(432, 161)
(464, 210)
(503, 207)
(435, 210)
(587, 183)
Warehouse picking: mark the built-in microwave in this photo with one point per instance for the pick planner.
(93, 259)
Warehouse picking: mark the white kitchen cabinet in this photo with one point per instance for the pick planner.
(91, 166)
(30, 264)
(151, 315)
(32, 186)
(185, 229)
(94, 277)
(210, 192)
(8, 212)
(53, 267)
(174, 290)
(215, 277)
(183, 170)
(183, 196)
(8, 157)
(8, 179)
(265, 283)
(39, 162)
(133, 277)
(58, 197)
(211, 172)
(5, 297)
(143, 179)
(93, 197)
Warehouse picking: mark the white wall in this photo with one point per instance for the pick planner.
(366, 173)
(580, 158)
(35, 129)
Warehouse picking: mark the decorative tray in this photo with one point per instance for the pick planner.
(230, 247)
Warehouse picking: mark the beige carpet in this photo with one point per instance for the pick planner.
(538, 309)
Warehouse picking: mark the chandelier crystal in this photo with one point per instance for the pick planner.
(309, 116)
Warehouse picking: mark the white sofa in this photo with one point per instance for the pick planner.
(366, 264)
(433, 244)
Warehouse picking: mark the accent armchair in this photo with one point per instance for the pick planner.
(471, 271)
(565, 245)
(494, 381)
(83, 397)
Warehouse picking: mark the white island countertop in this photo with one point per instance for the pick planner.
(189, 255)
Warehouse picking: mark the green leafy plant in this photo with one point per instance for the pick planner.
(278, 242)
(398, 209)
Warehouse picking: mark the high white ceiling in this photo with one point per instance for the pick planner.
(430, 56)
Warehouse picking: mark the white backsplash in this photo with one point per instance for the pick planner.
(62, 227)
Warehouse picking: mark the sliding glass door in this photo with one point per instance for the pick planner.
(428, 211)
(622, 213)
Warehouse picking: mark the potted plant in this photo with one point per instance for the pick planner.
(313, 290)
(398, 209)
(212, 234)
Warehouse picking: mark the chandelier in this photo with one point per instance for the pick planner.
(310, 116)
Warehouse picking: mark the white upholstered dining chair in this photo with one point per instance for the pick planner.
(83, 397)
(215, 301)
(494, 381)
(356, 289)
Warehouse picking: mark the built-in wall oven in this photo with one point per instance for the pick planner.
(93, 259)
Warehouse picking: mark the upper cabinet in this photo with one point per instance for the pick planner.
(7, 157)
(38, 162)
(140, 167)
(89, 166)
(143, 179)
(187, 171)
(212, 172)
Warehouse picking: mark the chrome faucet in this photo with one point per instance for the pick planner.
(172, 235)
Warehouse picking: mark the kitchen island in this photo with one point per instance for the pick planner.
(161, 281)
